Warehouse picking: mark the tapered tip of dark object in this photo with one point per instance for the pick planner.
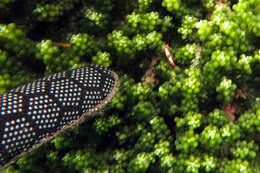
(36, 112)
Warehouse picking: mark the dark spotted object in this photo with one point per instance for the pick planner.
(36, 112)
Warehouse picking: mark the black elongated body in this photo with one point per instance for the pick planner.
(36, 112)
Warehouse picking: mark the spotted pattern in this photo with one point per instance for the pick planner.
(36, 111)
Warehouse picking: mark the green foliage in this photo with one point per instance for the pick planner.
(95, 17)
(123, 45)
(245, 150)
(104, 124)
(192, 120)
(226, 90)
(163, 119)
(218, 117)
(4, 3)
(15, 40)
(140, 163)
(186, 54)
(52, 11)
(211, 137)
(102, 58)
(187, 141)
